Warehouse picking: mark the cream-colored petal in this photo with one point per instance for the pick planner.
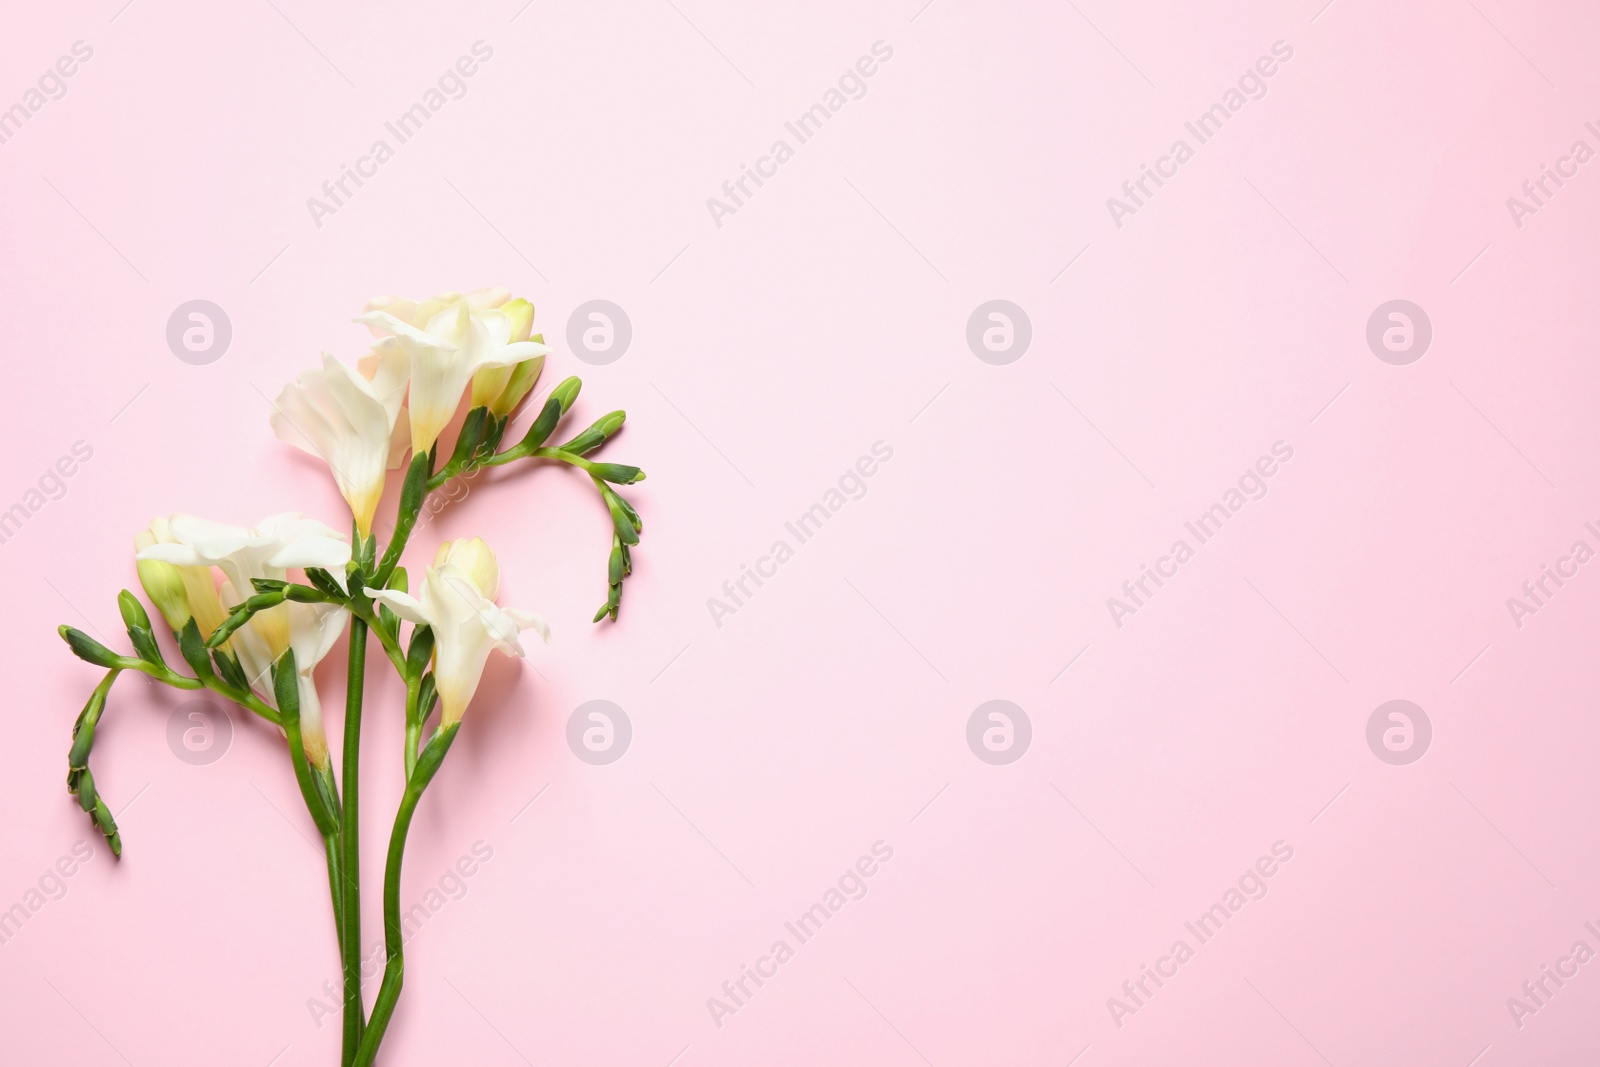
(527, 620)
(404, 605)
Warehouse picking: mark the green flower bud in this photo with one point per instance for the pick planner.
(163, 584)
(567, 392)
(596, 435)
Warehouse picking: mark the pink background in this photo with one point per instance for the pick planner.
(830, 711)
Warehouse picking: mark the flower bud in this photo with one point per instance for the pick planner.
(196, 593)
(472, 558)
(596, 434)
(491, 383)
(520, 312)
(163, 584)
(567, 393)
(522, 380)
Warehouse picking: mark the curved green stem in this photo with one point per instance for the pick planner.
(167, 676)
(393, 932)
(350, 845)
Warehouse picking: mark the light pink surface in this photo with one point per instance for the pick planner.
(829, 712)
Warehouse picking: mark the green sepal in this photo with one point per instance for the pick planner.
(365, 551)
(433, 753)
(399, 581)
(323, 581)
(427, 694)
(268, 585)
(420, 650)
(627, 509)
(543, 426)
(471, 436)
(229, 670)
(144, 643)
(194, 651)
(493, 431)
(286, 687)
(621, 521)
(88, 649)
(415, 487)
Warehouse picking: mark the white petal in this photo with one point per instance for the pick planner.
(326, 552)
(183, 555)
(254, 655)
(527, 620)
(512, 353)
(395, 330)
(402, 604)
(313, 631)
(488, 298)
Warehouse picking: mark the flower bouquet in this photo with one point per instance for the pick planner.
(254, 610)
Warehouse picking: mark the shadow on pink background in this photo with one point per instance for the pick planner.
(824, 715)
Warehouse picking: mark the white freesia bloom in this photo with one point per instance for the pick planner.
(348, 419)
(445, 341)
(179, 593)
(269, 550)
(313, 630)
(458, 603)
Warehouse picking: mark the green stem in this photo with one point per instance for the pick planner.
(413, 725)
(391, 645)
(332, 846)
(167, 676)
(393, 932)
(412, 493)
(350, 845)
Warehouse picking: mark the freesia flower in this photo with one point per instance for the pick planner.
(457, 601)
(446, 340)
(312, 630)
(500, 389)
(178, 592)
(268, 551)
(348, 419)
